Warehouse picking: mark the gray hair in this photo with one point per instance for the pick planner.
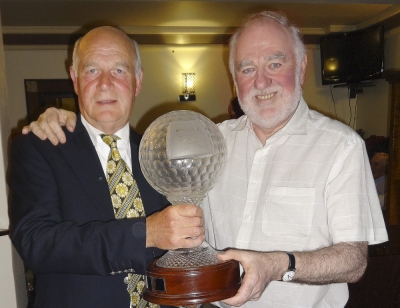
(137, 63)
(299, 47)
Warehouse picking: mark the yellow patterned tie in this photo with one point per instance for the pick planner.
(127, 203)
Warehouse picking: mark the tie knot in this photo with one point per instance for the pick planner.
(110, 140)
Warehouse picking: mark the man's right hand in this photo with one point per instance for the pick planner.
(177, 226)
(48, 125)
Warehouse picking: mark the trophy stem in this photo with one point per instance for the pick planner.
(202, 255)
(195, 199)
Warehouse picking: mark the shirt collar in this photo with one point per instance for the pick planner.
(242, 122)
(95, 133)
(295, 126)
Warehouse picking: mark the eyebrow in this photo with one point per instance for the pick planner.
(89, 64)
(278, 55)
(243, 63)
(123, 64)
(119, 64)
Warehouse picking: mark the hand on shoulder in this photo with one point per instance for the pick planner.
(48, 125)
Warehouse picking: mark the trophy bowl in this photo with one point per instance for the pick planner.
(182, 155)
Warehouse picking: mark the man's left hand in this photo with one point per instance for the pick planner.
(48, 125)
(260, 269)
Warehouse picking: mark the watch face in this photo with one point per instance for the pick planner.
(288, 276)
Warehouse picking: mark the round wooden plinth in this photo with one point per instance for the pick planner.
(189, 286)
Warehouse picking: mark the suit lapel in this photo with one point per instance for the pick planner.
(80, 153)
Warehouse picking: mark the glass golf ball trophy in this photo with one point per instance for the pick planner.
(182, 155)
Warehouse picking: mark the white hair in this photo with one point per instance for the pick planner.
(299, 47)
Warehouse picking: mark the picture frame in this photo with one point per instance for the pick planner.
(44, 93)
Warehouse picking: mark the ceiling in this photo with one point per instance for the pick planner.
(59, 22)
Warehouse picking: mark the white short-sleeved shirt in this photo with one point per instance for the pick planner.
(310, 186)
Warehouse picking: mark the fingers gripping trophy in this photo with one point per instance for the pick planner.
(182, 154)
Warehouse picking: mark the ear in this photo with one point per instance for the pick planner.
(139, 83)
(74, 79)
(303, 69)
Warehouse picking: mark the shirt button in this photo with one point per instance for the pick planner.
(247, 217)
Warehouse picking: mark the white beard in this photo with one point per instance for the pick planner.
(284, 114)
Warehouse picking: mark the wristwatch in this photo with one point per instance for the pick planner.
(291, 271)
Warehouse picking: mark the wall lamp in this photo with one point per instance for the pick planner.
(188, 87)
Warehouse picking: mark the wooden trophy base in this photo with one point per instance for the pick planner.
(191, 286)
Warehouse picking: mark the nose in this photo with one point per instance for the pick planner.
(105, 82)
(262, 80)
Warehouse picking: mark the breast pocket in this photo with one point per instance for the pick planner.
(288, 211)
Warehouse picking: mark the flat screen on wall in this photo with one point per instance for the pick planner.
(352, 57)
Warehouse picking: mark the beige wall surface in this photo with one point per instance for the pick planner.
(163, 66)
(30, 64)
(368, 111)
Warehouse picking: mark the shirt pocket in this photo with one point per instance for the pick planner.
(288, 211)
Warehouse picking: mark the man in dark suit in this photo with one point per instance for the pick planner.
(63, 221)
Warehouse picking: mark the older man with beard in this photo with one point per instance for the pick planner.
(297, 203)
(297, 200)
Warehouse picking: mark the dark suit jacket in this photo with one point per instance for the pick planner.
(63, 225)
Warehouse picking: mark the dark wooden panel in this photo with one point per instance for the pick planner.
(393, 214)
(380, 285)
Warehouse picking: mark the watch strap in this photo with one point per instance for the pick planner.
(292, 262)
